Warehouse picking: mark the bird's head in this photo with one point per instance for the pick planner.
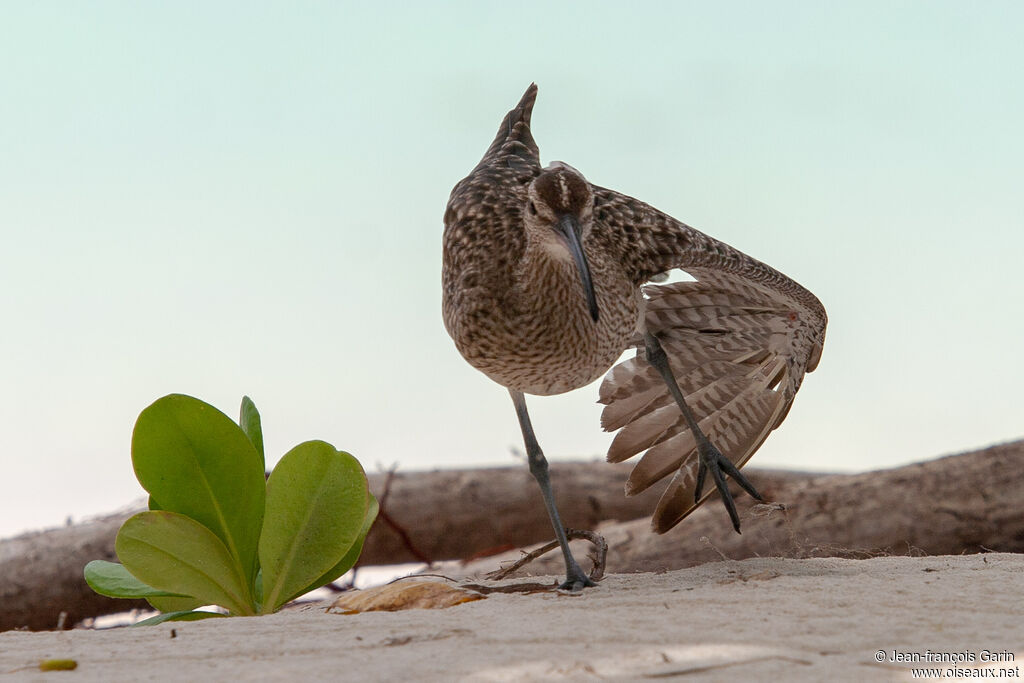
(559, 213)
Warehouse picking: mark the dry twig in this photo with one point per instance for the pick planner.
(598, 558)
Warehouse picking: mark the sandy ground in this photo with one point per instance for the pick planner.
(760, 619)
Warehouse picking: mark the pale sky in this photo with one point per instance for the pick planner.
(240, 198)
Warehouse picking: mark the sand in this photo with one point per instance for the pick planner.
(759, 619)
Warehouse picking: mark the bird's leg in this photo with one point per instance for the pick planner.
(575, 579)
(710, 458)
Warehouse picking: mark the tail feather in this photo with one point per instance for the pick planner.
(514, 140)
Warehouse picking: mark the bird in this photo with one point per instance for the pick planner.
(548, 280)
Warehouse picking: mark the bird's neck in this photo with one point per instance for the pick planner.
(545, 270)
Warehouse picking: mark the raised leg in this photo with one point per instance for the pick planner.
(711, 459)
(575, 579)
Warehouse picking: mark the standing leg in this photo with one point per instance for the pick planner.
(575, 579)
(710, 457)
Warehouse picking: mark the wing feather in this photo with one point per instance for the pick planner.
(739, 339)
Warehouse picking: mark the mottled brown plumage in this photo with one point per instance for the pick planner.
(738, 339)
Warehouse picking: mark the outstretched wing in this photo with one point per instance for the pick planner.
(739, 340)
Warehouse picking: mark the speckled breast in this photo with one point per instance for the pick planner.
(544, 341)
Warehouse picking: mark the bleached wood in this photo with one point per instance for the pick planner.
(961, 503)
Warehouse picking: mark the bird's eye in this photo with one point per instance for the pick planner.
(532, 208)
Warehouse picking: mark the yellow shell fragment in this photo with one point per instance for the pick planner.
(58, 665)
(403, 595)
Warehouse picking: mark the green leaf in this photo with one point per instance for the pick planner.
(174, 604)
(174, 553)
(258, 592)
(316, 504)
(183, 615)
(249, 421)
(350, 558)
(114, 581)
(196, 461)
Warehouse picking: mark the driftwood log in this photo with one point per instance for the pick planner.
(965, 503)
(958, 504)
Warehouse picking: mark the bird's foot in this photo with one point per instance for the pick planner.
(711, 459)
(576, 584)
(575, 579)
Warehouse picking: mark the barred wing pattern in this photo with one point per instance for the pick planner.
(739, 351)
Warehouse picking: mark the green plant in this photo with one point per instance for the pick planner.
(218, 532)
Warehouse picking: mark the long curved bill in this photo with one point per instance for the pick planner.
(569, 227)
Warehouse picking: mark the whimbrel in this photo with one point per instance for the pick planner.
(547, 282)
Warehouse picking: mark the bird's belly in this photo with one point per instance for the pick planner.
(551, 366)
(550, 354)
